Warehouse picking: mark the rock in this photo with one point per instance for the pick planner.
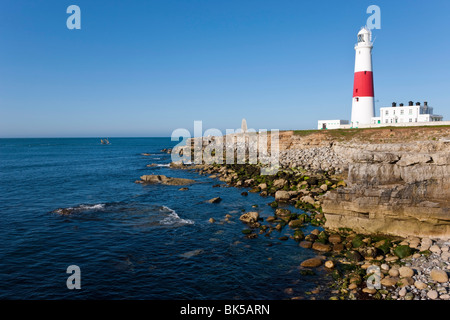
(244, 193)
(394, 272)
(250, 217)
(403, 282)
(215, 200)
(305, 244)
(183, 189)
(262, 186)
(352, 286)
(409, 296)
(324, 187)
(329, 264)
(406, 272)
(432, 294)
(283, 238)
(391, 258)
(295, 223)
(338, 247)
(298, 235)
(211, 220)
(402, 251)
(369, 291)
(439, 275)
(420, 285)
(311, 263)
(321, 247)
(435, 249)
(444, 296)
(426, 244)
(402, 292)
(389, 281)
(335, 238)
(385, 267)
(165, 180)
(282, 196)
(354, 256)
(308, 199)
(280, 183)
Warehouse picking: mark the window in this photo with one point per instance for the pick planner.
(387, 112)
(386, 121)
(402, 112)
(410, 120)
(410, 111)
(360, 38)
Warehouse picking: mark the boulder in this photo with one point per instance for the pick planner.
(282, 196)
(215, 200)
(280, 183)
(250, 217)
(151, 179)
(321, 247)
(439, 275)
(311, 263)
(406, 272)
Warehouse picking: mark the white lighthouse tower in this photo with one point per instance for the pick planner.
(363, 107)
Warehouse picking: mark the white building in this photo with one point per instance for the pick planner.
(331, 124)
(406, 114)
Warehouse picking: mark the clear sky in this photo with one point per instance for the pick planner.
(147, 67)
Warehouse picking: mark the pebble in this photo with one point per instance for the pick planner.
(402, 292)
(385, 267)
(394, 272)
(329, 264)
(420, 285)
(432, 294)
(439, 275)
(435, 248)
(406, 272)
(444, 296)
(368, 290)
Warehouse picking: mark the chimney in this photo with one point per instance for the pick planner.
(394, 104)
(417, 103)
(411, 103)
(401, 104)
(425, 103)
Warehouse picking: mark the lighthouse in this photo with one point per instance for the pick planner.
(363, 107)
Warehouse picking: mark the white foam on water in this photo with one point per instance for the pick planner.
(174, 218)
(98, 206)
(163, 165)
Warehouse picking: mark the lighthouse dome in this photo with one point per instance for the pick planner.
(364, 36)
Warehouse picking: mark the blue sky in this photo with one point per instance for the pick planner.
(145, 68)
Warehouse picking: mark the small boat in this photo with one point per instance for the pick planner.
(105, 141)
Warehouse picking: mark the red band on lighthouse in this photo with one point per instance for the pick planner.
(363, 84)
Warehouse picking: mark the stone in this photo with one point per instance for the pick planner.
(354, 256)
(280, 183)
(338, 247)
(369, 291)
(324, 187)
(308, 199)
(249, 217)
(352, 286)
(391, 258)
(295, 223)
(282, 196)
(402, 292)
(444, 296)
(384, 267)
(152, 179)
(262, 186)
(305, 244)
(403, 282)
(439, 275)
(435, 249)
(389, 281)
(321, 247)
(393, 272)
(211, 220)
(329, 264)
(426, 244)
(335, 238)
(402, 251)
(406, 272)
(215, 200)
(432, 294)
(311, 263)
(420, 285)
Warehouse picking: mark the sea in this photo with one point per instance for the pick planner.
(134, 241)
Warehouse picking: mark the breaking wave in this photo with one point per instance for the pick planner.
(173, 218)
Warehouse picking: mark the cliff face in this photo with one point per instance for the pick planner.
(400, 189)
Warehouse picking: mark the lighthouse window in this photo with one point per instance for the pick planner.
(360, 38)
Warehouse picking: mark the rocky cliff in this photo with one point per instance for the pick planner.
(400, 189)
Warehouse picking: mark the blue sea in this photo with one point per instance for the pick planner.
(133, 241)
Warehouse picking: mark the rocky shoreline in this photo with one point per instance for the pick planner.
(398, 268)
